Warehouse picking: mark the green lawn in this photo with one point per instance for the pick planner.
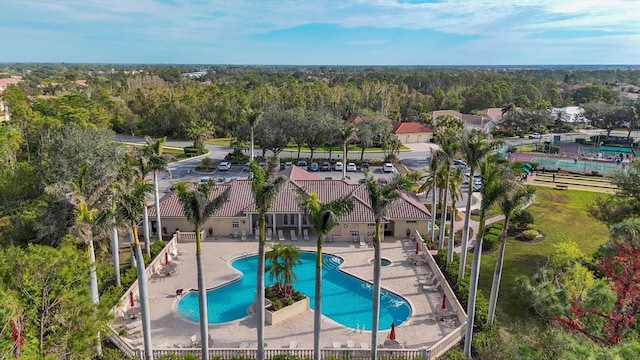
(219, 142)
(561, 216)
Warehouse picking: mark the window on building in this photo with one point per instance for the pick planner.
(354, 233)
(305, 220)
(292, 219)
(285, 219)
(235, 224)
(411, 221)
(371, 229)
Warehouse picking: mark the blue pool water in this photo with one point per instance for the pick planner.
(345, 299)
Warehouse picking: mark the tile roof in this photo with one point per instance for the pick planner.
(409, 128)
(240, 201)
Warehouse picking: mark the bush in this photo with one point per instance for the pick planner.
(276, 305)
(522, 219)
(130, 275)
(455, 354)
(489, 242)
(529, 235)
(237, 157)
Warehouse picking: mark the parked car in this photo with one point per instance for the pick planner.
(246, 167)
(364, 166)
(459, 164)
(224, 166)
(535, 136)
(338, 166)
(302, 164)
(388, 168)
(477, 183)
(314, 167)
(352, 167)
(362, 181)
(326, 166)
(204, 179)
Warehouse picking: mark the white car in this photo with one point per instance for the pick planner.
(352, 167)
(388, 168)
(535, 136)
(224, 166)
(338, 166)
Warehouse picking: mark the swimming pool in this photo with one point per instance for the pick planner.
(345, 299)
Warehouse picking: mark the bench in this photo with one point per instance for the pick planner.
(562, 187)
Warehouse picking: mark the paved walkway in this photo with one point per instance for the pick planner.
(170, 330)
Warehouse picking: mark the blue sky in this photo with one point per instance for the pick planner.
(322, 32)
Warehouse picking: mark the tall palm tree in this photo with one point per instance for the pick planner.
(380, 198)
(324, 217)
(454, 189)
(510, 204)
(430, 184)
(131, 192)
(198, 205)
(85, 217)
(446, 156)
(265, 189)
(474, 150)
(158, 163)
(252, 116)
(493, 186)
(347, 134)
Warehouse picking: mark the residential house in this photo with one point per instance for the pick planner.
(573, 115)
(239, 214)
(412, 132)
(472, 122)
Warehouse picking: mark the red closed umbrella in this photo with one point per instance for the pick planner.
(392, 335)
(444, 302)
(166, 258)
(417, 248)
(132, 300)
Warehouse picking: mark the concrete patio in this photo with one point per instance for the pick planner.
(169, 330)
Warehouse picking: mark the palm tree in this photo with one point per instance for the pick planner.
(445, 156)
(252, 116)
(430, 184)
(131, 192)
(380, 198)
(264, 189)
(85, 217)
(474, 150)
(347, 134)
(158, 163)
(493, 186)
(198, 205)
(454, 188)
(282, 260)
(324, 217)
(511, 203)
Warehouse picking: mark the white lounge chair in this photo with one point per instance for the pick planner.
(195, 340)
(244, 235)
(293, 344)
(336, 345)
(361, 240)
(244, 345)
(351, 344)
(269, 234)
(305, 234)
(431, 287)
(365, 345)
(294, 237)
(280, 235)
(133, 325)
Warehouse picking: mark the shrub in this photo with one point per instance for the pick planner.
(130, 275)
(276, 305)
(156, 248)
(522, 219)
(529, 235)
(489, 242)
(455, 354)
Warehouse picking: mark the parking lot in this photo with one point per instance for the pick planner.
(239, 172)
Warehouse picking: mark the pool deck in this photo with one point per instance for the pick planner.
(170, 330)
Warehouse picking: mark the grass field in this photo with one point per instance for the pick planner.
(562, 217)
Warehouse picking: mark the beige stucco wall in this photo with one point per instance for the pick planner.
(415, 138)
(400, 227)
